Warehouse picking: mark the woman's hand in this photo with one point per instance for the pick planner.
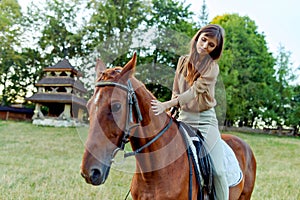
(158, 107)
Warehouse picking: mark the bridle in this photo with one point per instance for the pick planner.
(131, 101)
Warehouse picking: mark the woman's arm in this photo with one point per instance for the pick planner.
(159, 107)
(201, 86)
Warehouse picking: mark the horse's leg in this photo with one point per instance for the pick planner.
(248, 165)
(235, 192)
(250, 174)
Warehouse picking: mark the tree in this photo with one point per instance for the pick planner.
(109, 32)
(247, 70)
(203, 16)
(111, 27)
(46, 38)
(10, 16)
(282, 89)
(287, 106)
(172, 27)
(56, 28)
(293, 111)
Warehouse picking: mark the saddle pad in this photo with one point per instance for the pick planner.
(233, 171)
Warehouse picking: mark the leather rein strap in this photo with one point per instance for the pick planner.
(133, 153)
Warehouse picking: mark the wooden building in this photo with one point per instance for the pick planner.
(15, 113)
(60, 95)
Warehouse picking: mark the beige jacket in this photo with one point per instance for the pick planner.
(201, 95)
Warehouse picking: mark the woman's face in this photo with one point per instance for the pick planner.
(206, 44)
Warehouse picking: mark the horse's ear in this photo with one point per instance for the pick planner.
(100, 67)
(129, 69)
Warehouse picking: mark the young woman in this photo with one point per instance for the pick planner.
(194, 93)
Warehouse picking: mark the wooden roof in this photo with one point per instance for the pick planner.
(16, 110)
(57, 98)
(61, 81)
(63, 65)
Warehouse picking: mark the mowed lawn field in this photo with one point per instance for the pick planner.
(44, 163)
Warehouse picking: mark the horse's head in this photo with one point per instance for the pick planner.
(108, 114)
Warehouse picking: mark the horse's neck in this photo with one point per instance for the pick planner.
(161, 153)
(145, 133)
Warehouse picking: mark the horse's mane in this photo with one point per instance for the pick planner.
(109, 74)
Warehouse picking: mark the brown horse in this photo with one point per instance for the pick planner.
(120, 111)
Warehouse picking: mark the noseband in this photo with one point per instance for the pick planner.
(131, 101)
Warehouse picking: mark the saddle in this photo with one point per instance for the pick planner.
(202, 161)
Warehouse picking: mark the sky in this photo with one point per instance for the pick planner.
(278, 20)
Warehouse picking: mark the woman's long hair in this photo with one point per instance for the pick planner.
(197, 64)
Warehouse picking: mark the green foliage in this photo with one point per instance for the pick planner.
(58, 28)
(10, 12)
(158, 32)
(247, 69)
(111, 26)
(281, 87)
(10, 16)
(173, 28)
(293, 110)
(20, 76)
(110, 31)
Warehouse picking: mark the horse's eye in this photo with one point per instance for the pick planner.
(116, 107)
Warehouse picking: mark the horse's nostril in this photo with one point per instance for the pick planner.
(95, 177)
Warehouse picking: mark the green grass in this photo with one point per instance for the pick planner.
(278, 166)
(44, 163)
